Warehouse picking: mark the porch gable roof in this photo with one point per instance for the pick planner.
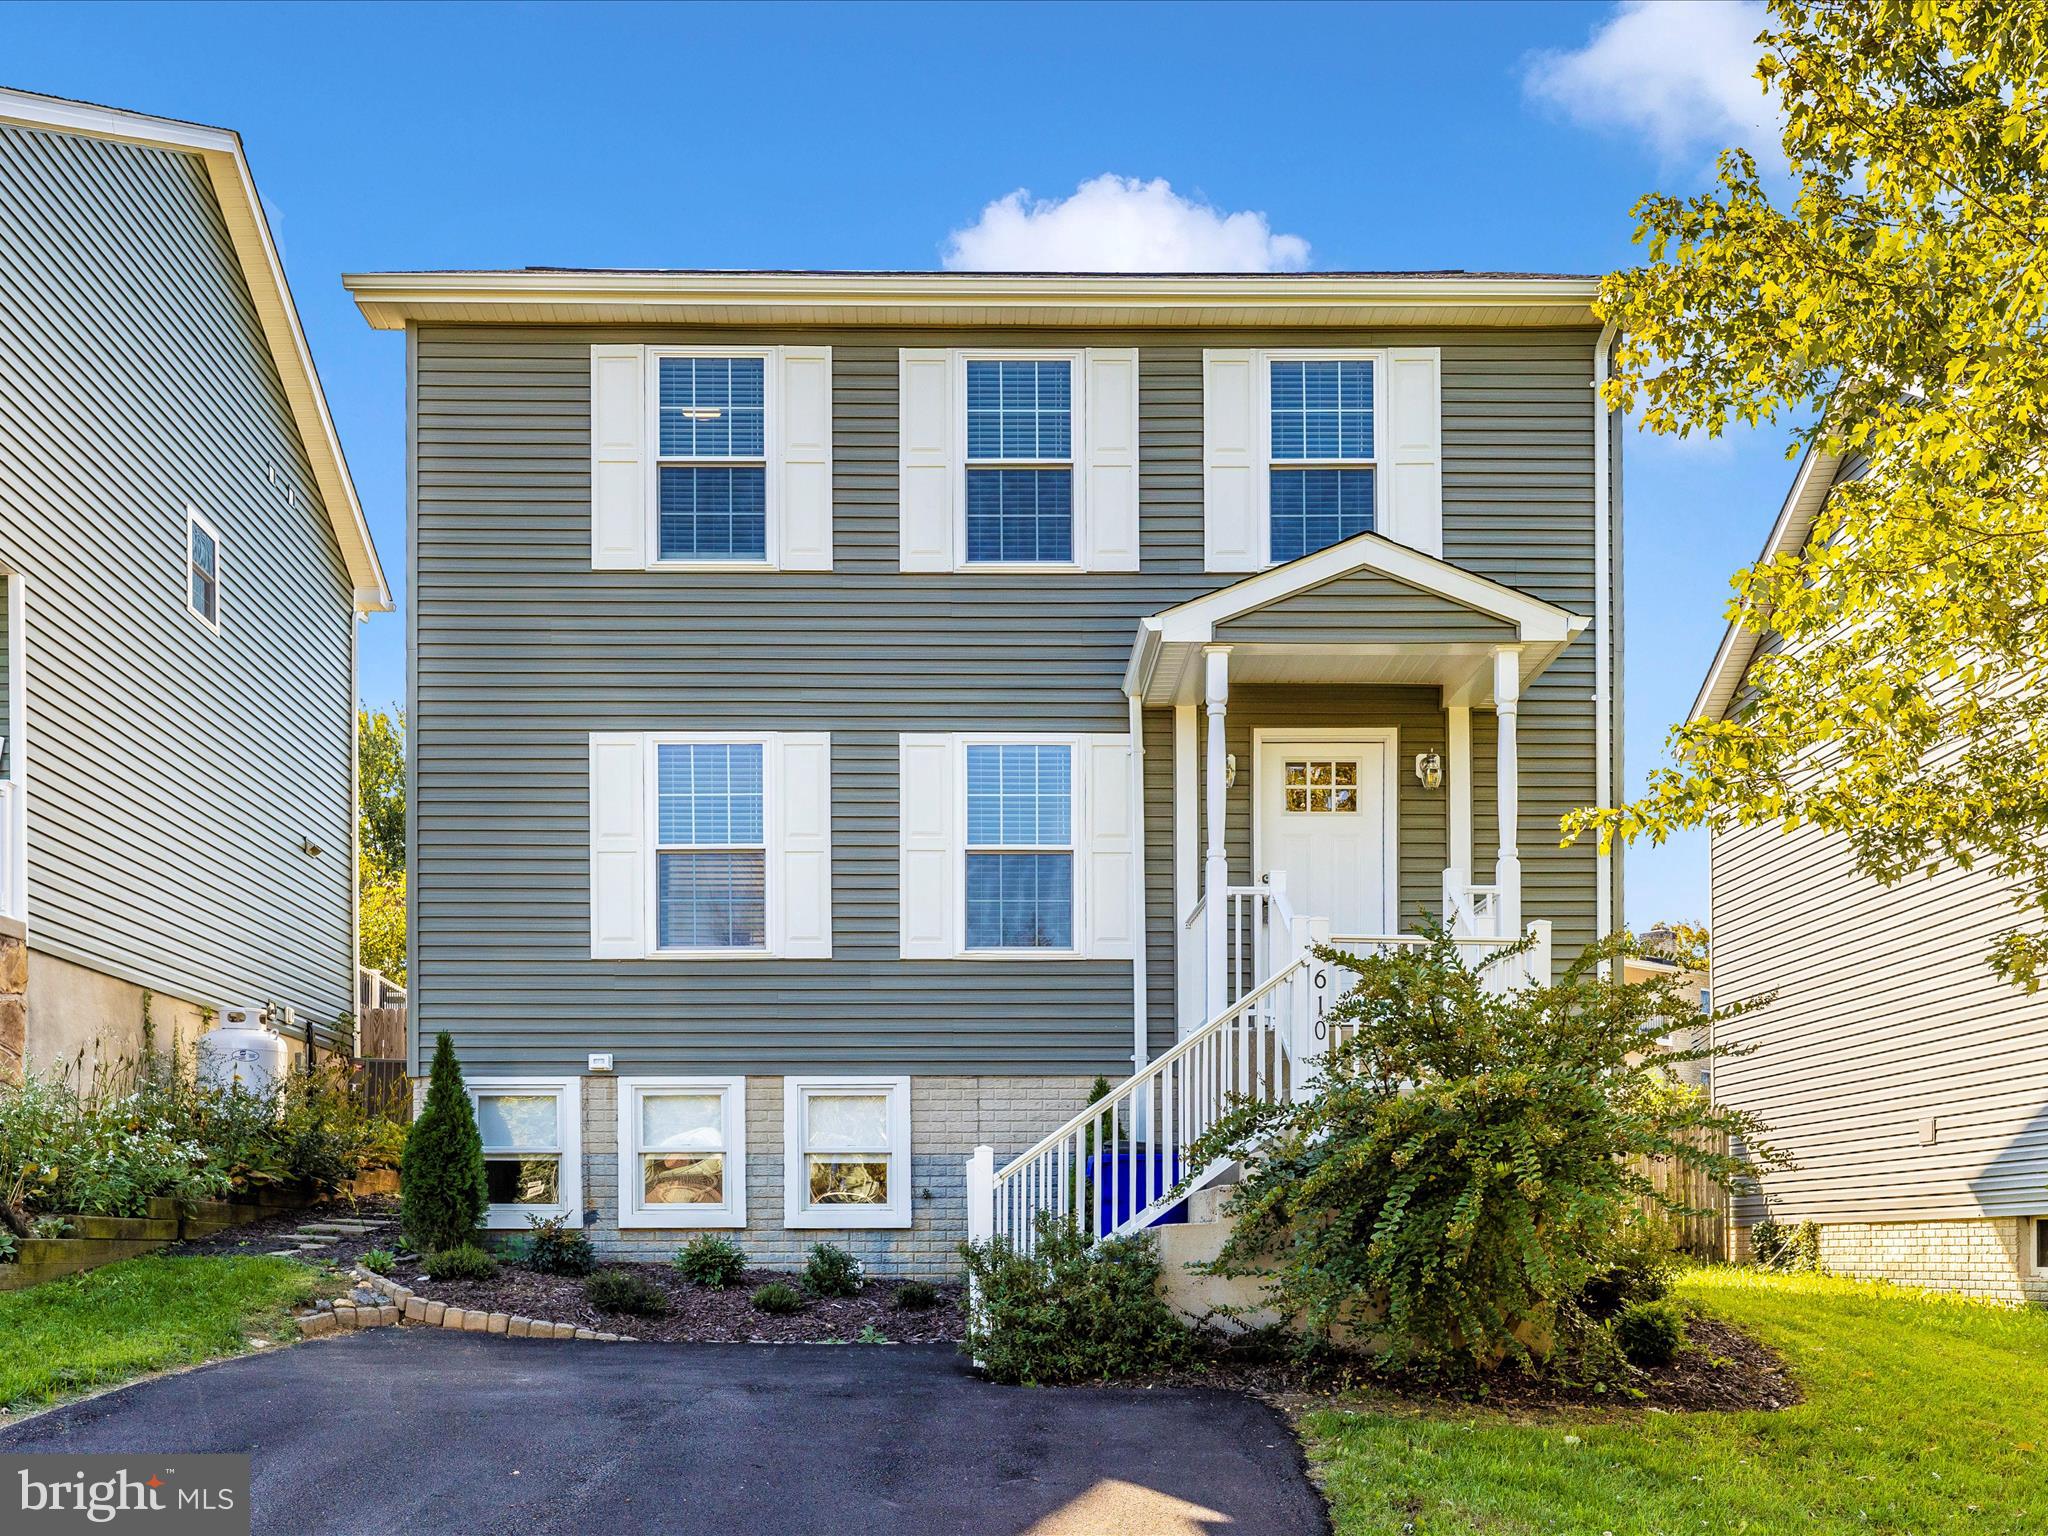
(1421, 620)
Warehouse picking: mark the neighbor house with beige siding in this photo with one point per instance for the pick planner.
(1906, 1080)
(185, 565)
(852, 711)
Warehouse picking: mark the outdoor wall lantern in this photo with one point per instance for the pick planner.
(1429, 768)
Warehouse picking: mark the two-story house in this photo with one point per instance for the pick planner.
(852, 711)
(185, 566)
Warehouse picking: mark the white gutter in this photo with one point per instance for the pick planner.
(1139, 1021)
(1603, 637)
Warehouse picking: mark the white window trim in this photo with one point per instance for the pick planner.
(1076, 819)
(1262, 389)
(732, 1214)
(797, 1213)
(2034, 1227)
(771, 425)
(1076, 359)
(568, 1092)
(196, 521)
(770, 743)
(1390, 796)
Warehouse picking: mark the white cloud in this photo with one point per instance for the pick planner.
(1681, 75)
(1119, 224)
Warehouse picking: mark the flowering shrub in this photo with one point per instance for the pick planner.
(111, 1145)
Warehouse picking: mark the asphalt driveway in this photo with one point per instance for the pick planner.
(420, 1431)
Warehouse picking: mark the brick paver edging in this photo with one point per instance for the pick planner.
(401, 1305)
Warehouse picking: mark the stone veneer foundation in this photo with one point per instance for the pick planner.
(1986, 1257)
(949, 1118)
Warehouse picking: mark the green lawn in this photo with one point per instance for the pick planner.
(138, 1316)
(1922, 1414)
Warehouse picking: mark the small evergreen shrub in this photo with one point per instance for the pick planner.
(917, 1296)
(625, 1290)
(555, 1248)
(1632, 1274)
(1650, 1333)
(1070, 1313)
(463, 1261)
(379, 1261)
(832, 1271)
(777, 1299)
(711, 1261)
(442, 1192)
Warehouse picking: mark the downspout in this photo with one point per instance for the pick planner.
(1603, 614)
(1138, 935)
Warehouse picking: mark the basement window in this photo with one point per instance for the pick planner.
(530, 1137)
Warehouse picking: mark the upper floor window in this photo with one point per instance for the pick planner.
(1323, 453)
(711, 846)
(1020, 846)
(202, 569)
(712, 457)
(1020, 461)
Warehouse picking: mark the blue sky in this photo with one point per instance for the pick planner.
(1494, 136)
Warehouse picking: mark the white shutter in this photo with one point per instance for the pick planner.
(1233, 484)
(929, 854)
(925, 459)
(618, 458)
(1110, 847)
(804, 850)
(805, 434)
(1110, 440)
(1414, 448)
(618, 846)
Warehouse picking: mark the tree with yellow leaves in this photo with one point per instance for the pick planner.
(1897, 304)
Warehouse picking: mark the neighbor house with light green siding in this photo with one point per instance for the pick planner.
(185, 566)
(850, 712)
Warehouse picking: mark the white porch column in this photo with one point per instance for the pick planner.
(1216, 864)
(1458, 778)
(1190, 968)
(1507, 868)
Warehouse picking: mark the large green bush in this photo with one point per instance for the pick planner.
(1468, 1160)
(442, 1191)
(1068, 1311)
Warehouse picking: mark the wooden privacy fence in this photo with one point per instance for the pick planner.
(1700, 1236)
(380, 1043)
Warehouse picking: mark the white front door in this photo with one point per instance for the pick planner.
(1323, 812)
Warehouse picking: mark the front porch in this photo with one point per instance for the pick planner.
(1337, 739)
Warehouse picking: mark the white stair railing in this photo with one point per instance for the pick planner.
(1115, 1167)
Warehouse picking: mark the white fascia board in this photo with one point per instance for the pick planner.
(1810, 486)
(1536, 621)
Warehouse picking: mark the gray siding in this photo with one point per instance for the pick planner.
(1365, 608)
(522, 650)
(1885, 1014)
(174, 773)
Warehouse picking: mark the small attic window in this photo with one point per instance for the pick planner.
(202, 569)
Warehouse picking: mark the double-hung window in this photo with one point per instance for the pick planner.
(530, 1138)
(1020, 461)
(711, 846)
(1323, 467)
(683, 1158)
(846, 1151)
(1020, 846)
(202, 569)
(711, 492)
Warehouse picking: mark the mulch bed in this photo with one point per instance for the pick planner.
(1723, 1371)
(698, 1315)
